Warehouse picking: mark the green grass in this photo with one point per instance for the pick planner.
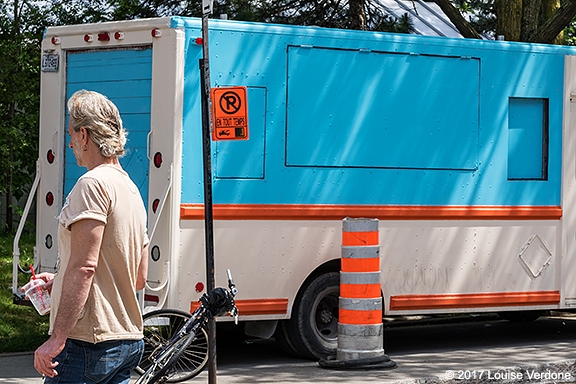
(21, 327)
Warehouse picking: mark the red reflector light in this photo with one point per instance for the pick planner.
(119, 35)
(88, 38)
(104, 36)
(155, 204)
(199, 41)
(50, 156)
(153, 298)
(158, 159)
(199, 286)
(156, 33)
(49, 198)
(55, 40)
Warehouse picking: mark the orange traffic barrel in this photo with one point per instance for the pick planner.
(360, 328)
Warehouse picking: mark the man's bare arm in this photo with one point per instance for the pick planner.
(142, 270)
(86, 239)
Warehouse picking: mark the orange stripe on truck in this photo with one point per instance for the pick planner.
(382, 212)
(255, 307)
(474, 300)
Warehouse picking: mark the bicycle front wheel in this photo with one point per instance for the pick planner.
(159, 328)
(164, 366)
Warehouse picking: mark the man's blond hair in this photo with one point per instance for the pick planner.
(100, 117)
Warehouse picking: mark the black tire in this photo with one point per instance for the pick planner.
(521, 316)
(313, 328)
(282, 337)
(159, 328)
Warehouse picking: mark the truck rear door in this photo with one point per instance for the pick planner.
(125, 77)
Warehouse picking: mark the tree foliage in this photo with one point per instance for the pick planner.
(20, 31)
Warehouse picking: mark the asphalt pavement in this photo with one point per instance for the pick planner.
(477, 350)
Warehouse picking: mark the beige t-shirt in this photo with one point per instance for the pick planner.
(106, 194)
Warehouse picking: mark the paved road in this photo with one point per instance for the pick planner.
(488, 351)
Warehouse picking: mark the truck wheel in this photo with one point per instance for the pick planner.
(313, 328)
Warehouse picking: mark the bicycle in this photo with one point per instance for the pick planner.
(176, 343)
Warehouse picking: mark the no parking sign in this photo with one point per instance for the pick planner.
(229, 113)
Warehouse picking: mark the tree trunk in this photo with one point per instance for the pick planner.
(530, 15)
(357, 14)
(548, 8)
(509, 19)
(548, 31)
(457, 19)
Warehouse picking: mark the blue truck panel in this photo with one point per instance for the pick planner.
(357, 113)
(378, 119)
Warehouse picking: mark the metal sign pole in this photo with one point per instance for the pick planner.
(207, 153)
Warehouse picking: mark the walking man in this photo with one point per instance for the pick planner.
(95, 320)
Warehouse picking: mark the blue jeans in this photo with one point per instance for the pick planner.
(109, 362)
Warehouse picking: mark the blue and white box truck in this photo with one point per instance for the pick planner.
(464, 150)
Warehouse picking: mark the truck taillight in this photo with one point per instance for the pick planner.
(88, 38)
(157, 159)
(152, 298)
(156, 33)
(55, 40)
(119, 35)
(104, 36)
(155, 204)
(49, 198)
(50, 156)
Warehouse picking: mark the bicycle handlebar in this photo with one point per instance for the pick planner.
(231, 284)
(234, 292)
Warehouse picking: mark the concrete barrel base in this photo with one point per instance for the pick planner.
(360, 342)
(380, 362)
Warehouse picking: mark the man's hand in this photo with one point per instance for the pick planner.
(45, 354)
(48, 279)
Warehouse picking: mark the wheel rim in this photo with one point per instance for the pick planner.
(192, 361)
(158, 330)
(325, 315)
